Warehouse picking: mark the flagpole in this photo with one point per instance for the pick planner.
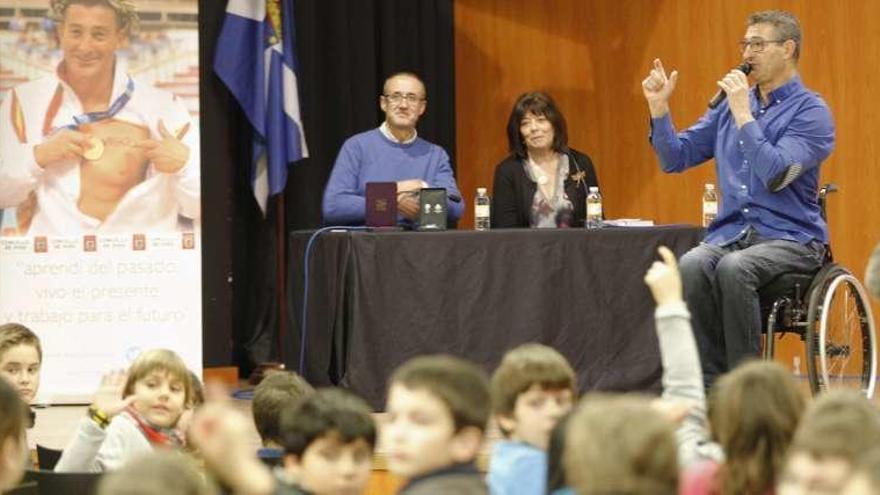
(264, 82)
(281, 277)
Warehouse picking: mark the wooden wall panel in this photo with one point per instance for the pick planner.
(591, 55)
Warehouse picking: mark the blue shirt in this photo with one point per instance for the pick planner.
(372, 157)
(517, 468)
(768, 170)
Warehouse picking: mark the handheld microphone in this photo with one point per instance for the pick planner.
(721, 95)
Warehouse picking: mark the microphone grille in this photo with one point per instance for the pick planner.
(745, 68)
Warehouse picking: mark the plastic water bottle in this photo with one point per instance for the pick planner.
(482, 211)
(594, 208)
(710, 204)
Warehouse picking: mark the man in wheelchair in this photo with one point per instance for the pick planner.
(768, 142)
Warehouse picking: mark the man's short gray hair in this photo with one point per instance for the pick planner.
(786, 25)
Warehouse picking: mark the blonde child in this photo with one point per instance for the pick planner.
(155, 393)
(21, 357)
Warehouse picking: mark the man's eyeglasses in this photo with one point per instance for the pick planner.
(398, 98)
(756, 44)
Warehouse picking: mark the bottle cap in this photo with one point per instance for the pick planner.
(594, 188)
(481, 190)
(710, 186)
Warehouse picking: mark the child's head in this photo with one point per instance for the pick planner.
(437, 411)
(555, 453)
(754, 411)
(12, 425)
(620, 444)
(160, 381)
(328, 438)
(837, 428)
(20, 359)
(278, 391)
(156, 473)
(531, 389)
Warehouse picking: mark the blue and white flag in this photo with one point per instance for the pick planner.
(255, 59)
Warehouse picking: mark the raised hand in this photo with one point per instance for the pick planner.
(108, 397)
(63, 146)
(221, 433)
(663, 278)
(168, 154)
(658, 87)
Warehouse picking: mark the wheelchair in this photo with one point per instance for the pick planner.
(829, 310)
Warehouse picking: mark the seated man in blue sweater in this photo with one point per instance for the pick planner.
(391, 153)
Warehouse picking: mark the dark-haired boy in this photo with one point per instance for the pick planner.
(437, 410)
(328, 440)
(532, 389)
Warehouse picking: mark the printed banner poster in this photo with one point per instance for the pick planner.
(100, 184)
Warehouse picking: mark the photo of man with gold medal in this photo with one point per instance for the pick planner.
(90, 148)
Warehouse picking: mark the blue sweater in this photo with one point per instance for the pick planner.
(517, 468)
(372, 157)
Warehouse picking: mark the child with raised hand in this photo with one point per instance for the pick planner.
(532, 388)
(753, 410)
(154, 394)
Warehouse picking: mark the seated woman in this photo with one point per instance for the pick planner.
(543, 183)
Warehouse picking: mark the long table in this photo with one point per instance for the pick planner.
(376, 299)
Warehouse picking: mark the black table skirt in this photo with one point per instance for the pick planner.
(376, 299)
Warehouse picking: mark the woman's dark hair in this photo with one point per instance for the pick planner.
(538, 103)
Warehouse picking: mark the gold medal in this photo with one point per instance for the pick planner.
(95, 148)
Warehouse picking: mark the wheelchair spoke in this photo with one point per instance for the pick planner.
(845, 341)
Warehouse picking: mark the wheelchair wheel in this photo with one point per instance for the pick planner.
(841, 342)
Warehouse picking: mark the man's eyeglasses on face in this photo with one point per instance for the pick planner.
(756, 44)
(398, 98)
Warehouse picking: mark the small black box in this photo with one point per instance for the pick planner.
(432, 209)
